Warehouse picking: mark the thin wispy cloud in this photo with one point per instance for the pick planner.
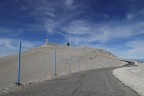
(136, 15)
(7, 43)
(80, 22)
(69, 3)
(12, 45)
(89, 32)
(81, 29)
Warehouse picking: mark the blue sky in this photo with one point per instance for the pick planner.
(114, 25)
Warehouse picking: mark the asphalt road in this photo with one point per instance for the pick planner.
(98, 82)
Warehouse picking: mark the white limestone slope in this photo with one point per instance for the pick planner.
(132, 77)
(37, 64)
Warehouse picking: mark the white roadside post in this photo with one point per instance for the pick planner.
(55, 63)
(92, 64)
(18, 68)
(69, 64)
(78, 63)
(86, 67)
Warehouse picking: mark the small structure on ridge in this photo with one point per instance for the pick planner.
(46, 43)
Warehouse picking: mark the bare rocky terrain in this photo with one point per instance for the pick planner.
(37, 64)
(132, 77)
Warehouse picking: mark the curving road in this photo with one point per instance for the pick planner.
(98, 82)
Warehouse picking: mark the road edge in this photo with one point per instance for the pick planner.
(116, 72)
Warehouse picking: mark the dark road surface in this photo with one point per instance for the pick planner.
(98, 82)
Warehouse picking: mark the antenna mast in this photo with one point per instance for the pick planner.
(46, 43)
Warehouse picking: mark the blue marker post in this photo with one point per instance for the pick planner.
(55, 63)
(19, 57)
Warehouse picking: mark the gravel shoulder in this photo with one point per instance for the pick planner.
(133, 77)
